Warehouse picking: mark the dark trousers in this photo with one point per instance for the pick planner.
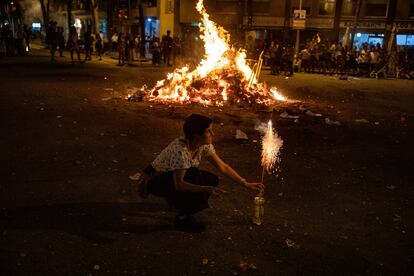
(187, 203)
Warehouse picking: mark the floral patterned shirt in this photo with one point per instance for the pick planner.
(177, 156)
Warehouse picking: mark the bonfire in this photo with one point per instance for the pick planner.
(222, 77)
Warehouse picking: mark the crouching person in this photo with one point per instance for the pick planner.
(175, 176)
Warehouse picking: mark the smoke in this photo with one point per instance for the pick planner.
(260, 126)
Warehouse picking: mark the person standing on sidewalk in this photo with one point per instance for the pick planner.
(99, 46)
(88, 42)
(175, 176)
(114, 41)
(72, 44)
(61, 40)
(155, 50)
(52, 39)
(167, 46)
(121, 49)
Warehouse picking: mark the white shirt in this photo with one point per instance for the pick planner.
(177, 156)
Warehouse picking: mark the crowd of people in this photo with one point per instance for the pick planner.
(162, 51)
(55, 40)
(335, 58)
(15, 42)
(316, 56)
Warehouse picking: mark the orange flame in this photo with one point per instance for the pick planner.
(218, 69)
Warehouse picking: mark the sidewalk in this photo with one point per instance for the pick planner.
(38, 49)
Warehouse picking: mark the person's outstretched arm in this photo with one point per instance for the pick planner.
(227, 170)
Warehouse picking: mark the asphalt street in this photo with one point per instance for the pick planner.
(341, 203)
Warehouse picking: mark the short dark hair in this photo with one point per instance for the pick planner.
(196, 124)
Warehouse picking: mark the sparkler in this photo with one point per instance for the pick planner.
(271, 144)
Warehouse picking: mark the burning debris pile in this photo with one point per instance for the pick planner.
(222, 77)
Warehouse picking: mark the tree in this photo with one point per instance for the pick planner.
(95, 15)
(69, 12)
(45, 6)
(10, 11)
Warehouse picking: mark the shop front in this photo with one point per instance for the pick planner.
(261, 30)
(371, 32)
(404, 33)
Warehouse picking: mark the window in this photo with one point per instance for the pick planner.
(412, 8)
(306, 5)
(326, 7)
(349, 7)
(376, 8)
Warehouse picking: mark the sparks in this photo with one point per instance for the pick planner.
(271, 144)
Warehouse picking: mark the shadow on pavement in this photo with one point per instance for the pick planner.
(88, 220)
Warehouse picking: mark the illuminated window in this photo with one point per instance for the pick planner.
(376, 7)
(306, 5)
(326, 7)
(349, 7)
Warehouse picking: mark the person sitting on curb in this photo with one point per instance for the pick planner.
(175, 176)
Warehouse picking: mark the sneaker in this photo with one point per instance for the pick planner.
(142, 185)
(189, 224)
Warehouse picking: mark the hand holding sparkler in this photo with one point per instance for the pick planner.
(271, 144)
(257, 186)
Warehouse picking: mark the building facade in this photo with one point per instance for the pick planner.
(372, 21)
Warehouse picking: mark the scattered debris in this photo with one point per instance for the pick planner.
(284, 114)
(204, 261)
(291, 244)
(310, 113)
(135, 177)
(331, 122)
(240, 135)
(243, 266)
(96, 267)
(391, 187)
(364, 121)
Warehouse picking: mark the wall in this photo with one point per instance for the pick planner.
(166, 16)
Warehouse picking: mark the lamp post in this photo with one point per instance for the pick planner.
(355, 24)
(298, 33)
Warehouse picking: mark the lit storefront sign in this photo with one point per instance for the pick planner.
(406, 26)
(36, 26)
(319, 23)
(265, 21)
(363, 24)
